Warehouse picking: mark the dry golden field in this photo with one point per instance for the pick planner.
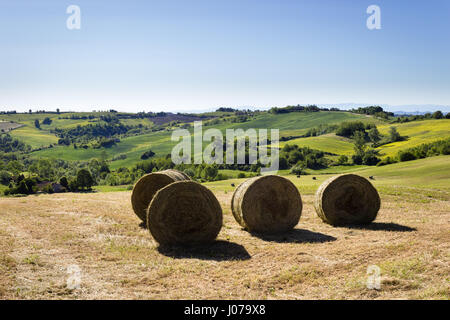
(41, 236)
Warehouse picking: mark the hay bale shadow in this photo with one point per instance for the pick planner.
(382, 226)
(219, 251)
(296, 236)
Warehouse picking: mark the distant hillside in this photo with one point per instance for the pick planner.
(290, 124)
(152, 131)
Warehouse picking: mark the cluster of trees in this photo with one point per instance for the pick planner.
(148, 154)
(201, 172)
(297, 108)
(46, 121)
(369, 131)
(376, 111)
(363, 153)
(48, 175)
(78, 117)
(299, 158)
(348, 129)
(31, 185)
(427, 116)
(226, 110)
(441, 147)
(85, 134)
(22, 186)
(365, 137)
(10, 144)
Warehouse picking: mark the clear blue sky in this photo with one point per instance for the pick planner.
(192, 55)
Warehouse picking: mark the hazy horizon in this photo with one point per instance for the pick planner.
(342, 106)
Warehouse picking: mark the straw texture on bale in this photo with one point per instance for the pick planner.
(147, 186)
(184, 213)
(347, 199)
(267, 204)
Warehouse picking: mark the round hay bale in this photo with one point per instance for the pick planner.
(347, 199)
(267, 204)
(148, 185)
(184, 213)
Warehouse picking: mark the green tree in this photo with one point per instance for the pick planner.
(5, 177)
(15, 167)
(359, 143)
(343, 159)
(394, 135)
(370, 158)
(374, 135)
(283, 163)
(47, 121)
(438, 115)
(45, 169)
(84, 179)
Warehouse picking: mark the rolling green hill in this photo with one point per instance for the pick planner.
(327, 142)
(295, 123)
(416, 133)
(290, 124)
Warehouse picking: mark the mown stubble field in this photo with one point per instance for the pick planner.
(40, 236)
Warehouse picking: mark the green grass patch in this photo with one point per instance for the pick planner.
(328, 143)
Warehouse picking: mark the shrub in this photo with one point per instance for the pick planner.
(342, 160)
(241, 175)
(63, 181)
(147, 155)
(406, 156)
(73, 185)
(387, 160)
(357, 159)
(5, 177)
(298, 170)
(370, 159)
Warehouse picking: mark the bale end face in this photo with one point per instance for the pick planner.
(267, 204)
(347, 199)
(184, 213)
(148, 185)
